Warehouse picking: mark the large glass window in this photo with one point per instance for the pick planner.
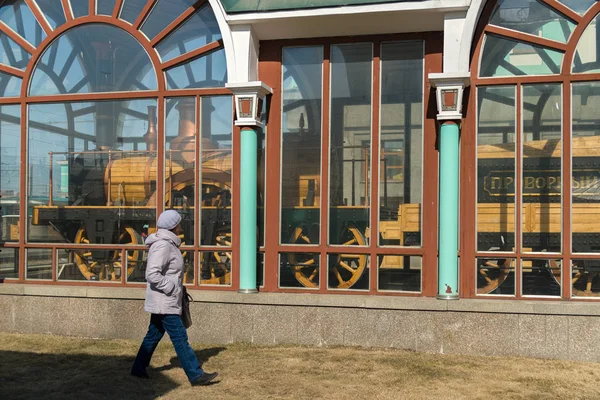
(301, 145)
(350, 142)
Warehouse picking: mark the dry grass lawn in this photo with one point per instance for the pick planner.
(53, 367)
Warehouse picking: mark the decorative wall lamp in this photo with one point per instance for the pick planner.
(249, 98)
(449, 88)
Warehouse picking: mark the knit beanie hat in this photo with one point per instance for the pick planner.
(168, 219)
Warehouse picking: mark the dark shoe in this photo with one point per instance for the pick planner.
(205, 379)
(142, 375)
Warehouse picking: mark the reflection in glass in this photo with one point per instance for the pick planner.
(587, 57)
(163, 13)
(53, 11)
(13, 54)
(10, 86)
(114, 62)
(260, 270)
(401, 143)
(541, 178)
(533, 17)
(495, 276)
(71, 170)
(180, 161)
(585, 278)
(299, 270)
(17, 15)
(71, 265)
(400, 273)
(350, 146)
(38, 264)
(131, 9)
(10, 160)
(136, 260)
(579, 6)
(496, 168)
(215, 267)
(209, 70)
(504, 57)
(9, 263)
(348, 271)
(585, 150)
(197, 31)
(541, 277)
(79, 8)
(104, 7)
(301, 144)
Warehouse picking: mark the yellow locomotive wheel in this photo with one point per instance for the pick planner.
(108, 270)
(304, 266)
(347, 269)
(216, 266)
(493, 275)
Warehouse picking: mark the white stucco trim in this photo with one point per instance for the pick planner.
(468, 31)
(433, 5)
(227, 37)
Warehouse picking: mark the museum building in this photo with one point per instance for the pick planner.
(355, 172)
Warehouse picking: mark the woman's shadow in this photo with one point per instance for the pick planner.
(203, 356)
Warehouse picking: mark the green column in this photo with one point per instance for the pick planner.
(448, 203)
(248, 188)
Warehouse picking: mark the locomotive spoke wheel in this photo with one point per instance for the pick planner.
(493, 275)
(304, 266)
(347, 269)
(587, 277)
(94, 270)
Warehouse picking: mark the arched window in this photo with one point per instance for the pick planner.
(118, 108)
(535, 73)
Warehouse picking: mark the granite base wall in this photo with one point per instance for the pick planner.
(558, 330)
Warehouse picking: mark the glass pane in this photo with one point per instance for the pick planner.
(348, 271)
(209, 70)
(585, 151)
(350, 143)
(17, 15)
(496, 276)
(401, 143)
(131, 9)
(299, 270)
(541, 277)
(10, 86)
(260, 270)
(38, 264)
(180, 161)
(9, 262)
(105, 7)
(585, 278)
(53, 11)
(12, 54)
(579, 6)
(400, 273)
(196, 32)
(10, 160)
(80, 8)
(215, 268)
(541, 180)
(496, 168)
(136, 270)
(531, 16)
(163, 13)
(301, 144)
(103, 195)
(114, 62)
(504, 57)
(216, 114)
(587, 53)
(76, 265)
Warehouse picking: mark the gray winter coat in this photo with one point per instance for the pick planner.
(164, 273)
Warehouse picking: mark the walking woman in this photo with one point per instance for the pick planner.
(164, 276)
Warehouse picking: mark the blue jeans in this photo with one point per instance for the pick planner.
(172, 324)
